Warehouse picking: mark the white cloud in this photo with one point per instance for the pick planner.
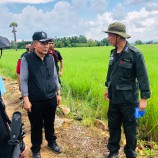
(135, 2)
(97, 27)
(26, 1)
(142, 24)
(60, 22)
(64, 20)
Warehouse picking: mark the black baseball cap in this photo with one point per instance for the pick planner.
(41, 37)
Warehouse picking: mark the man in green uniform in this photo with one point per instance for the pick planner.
(126, 75)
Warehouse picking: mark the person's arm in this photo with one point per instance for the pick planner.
(107, 82)
(58, 84)
(143, 81)
(23, 154)
(18, 75)
(2, 87)
(24, 75)
(61, 68)
(106, 95)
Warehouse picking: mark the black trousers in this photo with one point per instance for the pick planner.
(119, 114)
(42, 115)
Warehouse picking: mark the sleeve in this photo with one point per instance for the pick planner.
(56, 76)
(18, 66)
(108, 72)
(142, 77)
(107, 78)
(24, 75)
(2, 87)
(59, 56)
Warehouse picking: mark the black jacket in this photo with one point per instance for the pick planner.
(126, 75)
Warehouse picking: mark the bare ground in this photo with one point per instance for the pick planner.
(76, 140)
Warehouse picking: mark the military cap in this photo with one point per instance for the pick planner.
(118, 28)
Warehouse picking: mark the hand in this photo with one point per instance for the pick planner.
(106, 95)
(23, 153)
(142, 104)
(58, 100)
(60, 73)
(27, 105)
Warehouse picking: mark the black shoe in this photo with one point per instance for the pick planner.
(54, 146)
(36, 155)
(113, 155)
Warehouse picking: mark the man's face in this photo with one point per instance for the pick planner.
(112, 39)
(27, 47)
(51, 45)
(41, 47)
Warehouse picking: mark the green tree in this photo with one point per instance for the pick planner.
(105, 42)
(91, 43)
(82, 39)
(138, 42)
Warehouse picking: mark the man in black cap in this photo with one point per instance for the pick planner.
(126, 75)
(41, 92)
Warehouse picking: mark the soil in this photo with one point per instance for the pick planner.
(76, 140)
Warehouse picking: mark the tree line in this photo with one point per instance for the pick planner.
(139, 42)
(75, 41)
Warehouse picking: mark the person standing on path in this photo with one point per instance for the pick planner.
(126, 75)
(40, 89)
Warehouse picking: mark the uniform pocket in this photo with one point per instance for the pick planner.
(125, 69)
(123, 87)
(125, 93)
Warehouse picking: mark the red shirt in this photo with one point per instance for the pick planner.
(18, 66)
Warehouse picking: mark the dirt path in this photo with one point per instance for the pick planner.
(75, 140)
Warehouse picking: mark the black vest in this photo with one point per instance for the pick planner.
(41, 81)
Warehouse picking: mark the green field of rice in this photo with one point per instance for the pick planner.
(83, 83)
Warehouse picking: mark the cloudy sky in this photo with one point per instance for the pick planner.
(63, 18)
